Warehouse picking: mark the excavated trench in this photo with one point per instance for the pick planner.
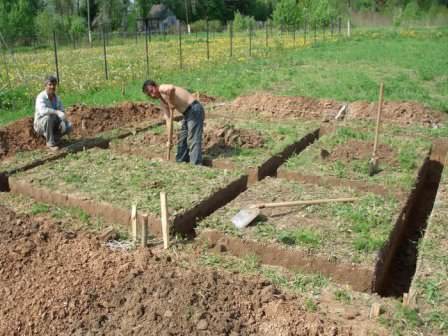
(400, 257)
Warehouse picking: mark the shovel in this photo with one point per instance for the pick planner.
(170, 134)
(247, 215)
(373, 163)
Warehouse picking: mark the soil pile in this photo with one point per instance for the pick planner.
(92, 120)
(203, 98)
(399, 112)
(87, 121)
(228, 136)
(55, 282)
(278, 107)
(19, 136)
(221, 138)
(361, 150)
(269, 106)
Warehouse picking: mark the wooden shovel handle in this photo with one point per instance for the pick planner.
(170, 133)
(378, 119)
(310, 202)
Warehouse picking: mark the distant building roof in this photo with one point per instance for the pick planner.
(159, 12)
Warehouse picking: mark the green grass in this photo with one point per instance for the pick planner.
(413, 68)
(127, 180)
(350, 232)
(408, 154)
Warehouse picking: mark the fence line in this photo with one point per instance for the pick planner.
(285, 37)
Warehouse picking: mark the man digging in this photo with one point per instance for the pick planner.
(189, 147)
(49, 117)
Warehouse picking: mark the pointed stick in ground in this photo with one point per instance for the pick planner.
(134, 222)
(164, 213)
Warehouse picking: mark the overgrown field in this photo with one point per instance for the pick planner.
(412, 64)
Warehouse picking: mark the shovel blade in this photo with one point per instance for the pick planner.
(373, 167)
(245, 217)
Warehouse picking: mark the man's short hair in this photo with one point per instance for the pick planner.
(51, 79)
(147, 83)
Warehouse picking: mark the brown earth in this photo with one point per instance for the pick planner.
(400, 112)
(215, 140)
(55, 282)
(361, 150)
(87, 121)
(269, 106)
(99, 119)
(281, 107)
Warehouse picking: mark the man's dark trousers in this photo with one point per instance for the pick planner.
(189, 147)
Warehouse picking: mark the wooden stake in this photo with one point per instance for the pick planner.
(134, 222)
(375, 311)
(144, 230)
(164, 213)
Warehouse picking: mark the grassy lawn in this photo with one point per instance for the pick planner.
(412, 64)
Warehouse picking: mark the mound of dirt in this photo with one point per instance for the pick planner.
(362, 150)
(228, 136)
(203, 98)
(399, 112)
(269, 106)
(221, 138)
(92, 120)
(279, 107)
(55, 282)
(87, 121)
(19, 136)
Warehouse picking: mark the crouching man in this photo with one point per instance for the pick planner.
(189, 147)
(49, 117)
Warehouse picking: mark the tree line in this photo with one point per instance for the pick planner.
(22, 20)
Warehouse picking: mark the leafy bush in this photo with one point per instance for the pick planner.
(242, 23)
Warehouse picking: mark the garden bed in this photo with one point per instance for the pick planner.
(341, 240)
(343, 157)
(252, 147)
(107, 184)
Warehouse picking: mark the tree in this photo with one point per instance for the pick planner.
(17, 19)
(287, 13)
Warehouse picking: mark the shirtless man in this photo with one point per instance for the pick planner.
(189, 147)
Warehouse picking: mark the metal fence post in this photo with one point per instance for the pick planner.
(231, 37)
(267, 33)
(56, 57)
(294, 35)
(208, 46)
(250, 39)
(105, 54)
(304, 32)
(180, 46)
(147, 49)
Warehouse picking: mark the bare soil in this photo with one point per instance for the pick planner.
(404, 113)
(55, 282)
(87, 121)
(281, 107)
(269, 106)
(216, 140)
(361, 150)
